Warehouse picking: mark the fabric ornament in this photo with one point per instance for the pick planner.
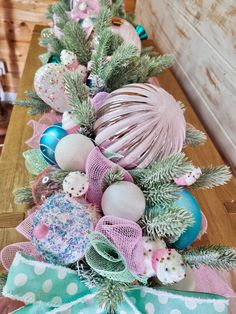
(75, 184)
(189, 178)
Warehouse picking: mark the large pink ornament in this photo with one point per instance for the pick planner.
(127, 31)
(140, 123)
(49, 85)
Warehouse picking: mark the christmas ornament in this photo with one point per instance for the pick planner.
(44, 185)
(141, 32)
(69, 123)
(72, 151)
(70, 61)
(189, 178)
(126, 31)
(61, 229)
(124, 200)
(54, 59)
(34, 161)
(49, 85)
(188, 202)
(49, 140)
(75, 184)
(142, 123)
(186, 284)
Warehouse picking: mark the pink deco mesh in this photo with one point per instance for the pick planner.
(26, 227)
(8, 253)
(126, 235)
(96, 167)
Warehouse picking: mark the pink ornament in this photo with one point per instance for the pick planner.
(127, 31)
(189, 178)
(40, 231)
(84, 9)
(49, 85)
(99, 99)
(140, 123)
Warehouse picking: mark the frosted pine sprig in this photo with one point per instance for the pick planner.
(111, 176)
(194, 137)
(35, 104)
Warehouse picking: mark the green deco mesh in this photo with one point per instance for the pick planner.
(104, 258)
(34, 161)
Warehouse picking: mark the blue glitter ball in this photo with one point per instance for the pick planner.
(188, 202)
(49, 140)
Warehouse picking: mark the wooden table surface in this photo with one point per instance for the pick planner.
(214, 203)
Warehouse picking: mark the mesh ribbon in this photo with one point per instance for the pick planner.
(126, 235)
(26, 227)
(96, 167)
(106, 260)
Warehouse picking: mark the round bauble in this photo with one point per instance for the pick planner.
(124, 200)
(127, 32)
(49, 140)
(49, 86)
(75, 184)
(72, 151)
(61, 228)
(141, 123)
(188, 202)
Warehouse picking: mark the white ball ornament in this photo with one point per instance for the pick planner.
(72, 151)
(75, 184)
(124, 200)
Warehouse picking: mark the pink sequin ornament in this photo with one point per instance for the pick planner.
(140, 123)
(44, 185)
(49, 86)
(96, 167)
(127, 237)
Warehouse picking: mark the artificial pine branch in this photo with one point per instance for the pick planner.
(59, 176)
(164, 170)
(149, 51)
(117, 9)
(24, 196)
(194, 137)
(54, 44)
(104, 18)
(158, 64)
(111, 294)
(88, 276)
(215, 256)
(169, 222)
(3, 280)
(34, 102)
(75, 40)
(111, 176)
(59, 9)
(79, 100)
(212, 176)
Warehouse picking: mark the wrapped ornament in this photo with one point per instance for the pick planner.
(75, 184)
(126, 31)
(69, 59)
(189, 178)
(49, 86)
(69, 123)
(61, 229)
(49, 140)
(124, 200)
(142, 123)
(72, 151)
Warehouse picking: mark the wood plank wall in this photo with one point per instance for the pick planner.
(202, 36)
(17, 19)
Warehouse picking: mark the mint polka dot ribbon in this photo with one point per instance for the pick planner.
(47, 288)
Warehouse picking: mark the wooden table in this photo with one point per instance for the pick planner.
(214, 203)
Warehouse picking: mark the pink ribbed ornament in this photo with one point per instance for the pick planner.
(96, 167)
(141, 123)
(126, 235)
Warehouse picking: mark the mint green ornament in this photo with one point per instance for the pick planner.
(34, 161)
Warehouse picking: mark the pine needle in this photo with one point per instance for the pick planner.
(104, 18)
(111, 176)
(3, 280)
(215, 256)
(24, 196)
(212, 177)
(59, 176)
(194, 137)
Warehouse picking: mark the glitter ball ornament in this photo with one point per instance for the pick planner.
(61, 228)
(49, 86)
(127, 31)
(49, 140)
(75, 184)
(188, 202)
(124, 200)
(142, 123)
(72, 151)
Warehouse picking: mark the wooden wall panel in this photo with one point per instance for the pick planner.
(203, 44)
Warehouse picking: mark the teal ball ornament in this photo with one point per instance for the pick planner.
(141, 32)
(49, 140)
(187, 201)
(54, 59)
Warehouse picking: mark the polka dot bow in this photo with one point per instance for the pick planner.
(47, 288)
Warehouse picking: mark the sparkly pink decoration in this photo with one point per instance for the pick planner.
(84, 9)
(141, 123)
(127, 237)
(96, 167)
(56, 30)
(40, 231)
(49, 85)
(189, 178)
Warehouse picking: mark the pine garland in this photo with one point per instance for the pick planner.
(3, 280)
(24, 196)
(88, 276)
(34, 102)
(59, 9)
(79, 100)
(59, 176)
(111, 176)
(104, 18)
(75, 40)
(212, 177)
(54, 44)
(215, 256)
(158, 64)
(169, 222)
(194, 137)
